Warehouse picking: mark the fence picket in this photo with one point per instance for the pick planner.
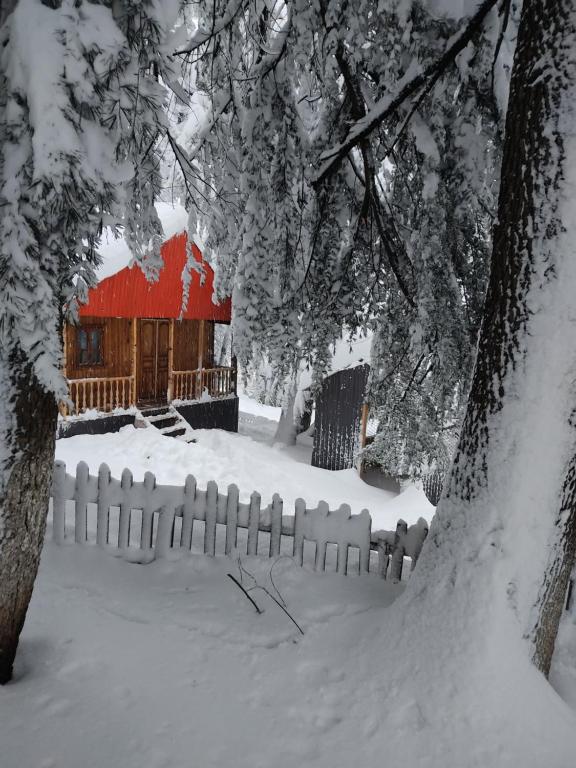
(397, 559)
(275, 525)
(148, 512)
(342, 554)
(321, 542)
(125, 510)
(103, 506)
(164, 532)
(320, 526)
(59, 502)
(299, 513)
(253, 524)
(81, 503)
(232, 518)
(188, 512)
(211, 513)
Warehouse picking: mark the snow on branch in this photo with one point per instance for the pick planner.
(409, 85)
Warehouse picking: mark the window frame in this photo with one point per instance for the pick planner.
(89, 330)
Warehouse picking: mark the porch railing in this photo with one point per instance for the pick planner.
(102, 394)
(106, 394)
(189, 385)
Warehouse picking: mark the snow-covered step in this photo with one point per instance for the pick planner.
(167, 421)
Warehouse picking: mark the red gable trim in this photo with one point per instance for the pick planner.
(129, 294)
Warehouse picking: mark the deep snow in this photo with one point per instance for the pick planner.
(167, 665)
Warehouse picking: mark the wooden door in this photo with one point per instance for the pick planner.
(153, 340)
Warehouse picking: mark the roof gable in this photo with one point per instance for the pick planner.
(129, 294)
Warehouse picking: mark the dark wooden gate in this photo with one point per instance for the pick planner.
(338, 418)
(153, 361)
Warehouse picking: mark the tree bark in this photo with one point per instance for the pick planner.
(516, 460)
(27, 433)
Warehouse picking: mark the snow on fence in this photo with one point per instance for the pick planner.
(153, 519)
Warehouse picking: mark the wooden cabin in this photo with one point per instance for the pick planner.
(134, 346)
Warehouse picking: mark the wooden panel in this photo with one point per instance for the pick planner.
(186, 333)
(146, 377)
(208, 352)
(163, 337)
(116, 346)
(338, 418)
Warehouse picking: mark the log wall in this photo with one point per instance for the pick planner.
(116, 348)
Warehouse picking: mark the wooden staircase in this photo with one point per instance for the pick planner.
(166, 420)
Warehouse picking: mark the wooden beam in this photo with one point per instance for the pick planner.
(200, 379)
(201, 345)
(64, 349)
(134, 359)
(170, 394)
(364, 424)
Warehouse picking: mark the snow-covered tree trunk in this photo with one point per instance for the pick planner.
(286, 429)
(506, 523)
(81, 108)
(484, 600)
(28, 416)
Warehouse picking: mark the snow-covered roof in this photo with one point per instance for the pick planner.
(115, 252)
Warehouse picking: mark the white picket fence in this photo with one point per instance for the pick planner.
(153, 519)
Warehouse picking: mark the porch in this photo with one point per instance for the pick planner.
(117, 363)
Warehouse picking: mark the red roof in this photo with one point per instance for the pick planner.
(129, 294)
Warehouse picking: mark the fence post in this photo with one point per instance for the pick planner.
(397, 559)
(232, 518)
(59, 502)
(422, 528)
(81, 505)
(383, 559)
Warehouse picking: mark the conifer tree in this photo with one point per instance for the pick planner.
(81, 107)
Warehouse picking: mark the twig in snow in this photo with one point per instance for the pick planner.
(279, 602)
(235, 580)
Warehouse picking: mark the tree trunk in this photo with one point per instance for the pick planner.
(483, 602)
(286, 429)
(27, 433)
(522, 390)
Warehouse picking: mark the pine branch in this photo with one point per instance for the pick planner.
(389, 104)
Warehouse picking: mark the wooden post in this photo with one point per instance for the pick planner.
(234, 375)
(198, 393)
(62, 406)
(134, 359)
(363, 430)
(201, 345)
(64, 350)
(170, 394)
(364, 426)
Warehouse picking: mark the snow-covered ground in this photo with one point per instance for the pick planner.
(168, 665)
(249, 459)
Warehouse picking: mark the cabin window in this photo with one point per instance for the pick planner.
(89, 345)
